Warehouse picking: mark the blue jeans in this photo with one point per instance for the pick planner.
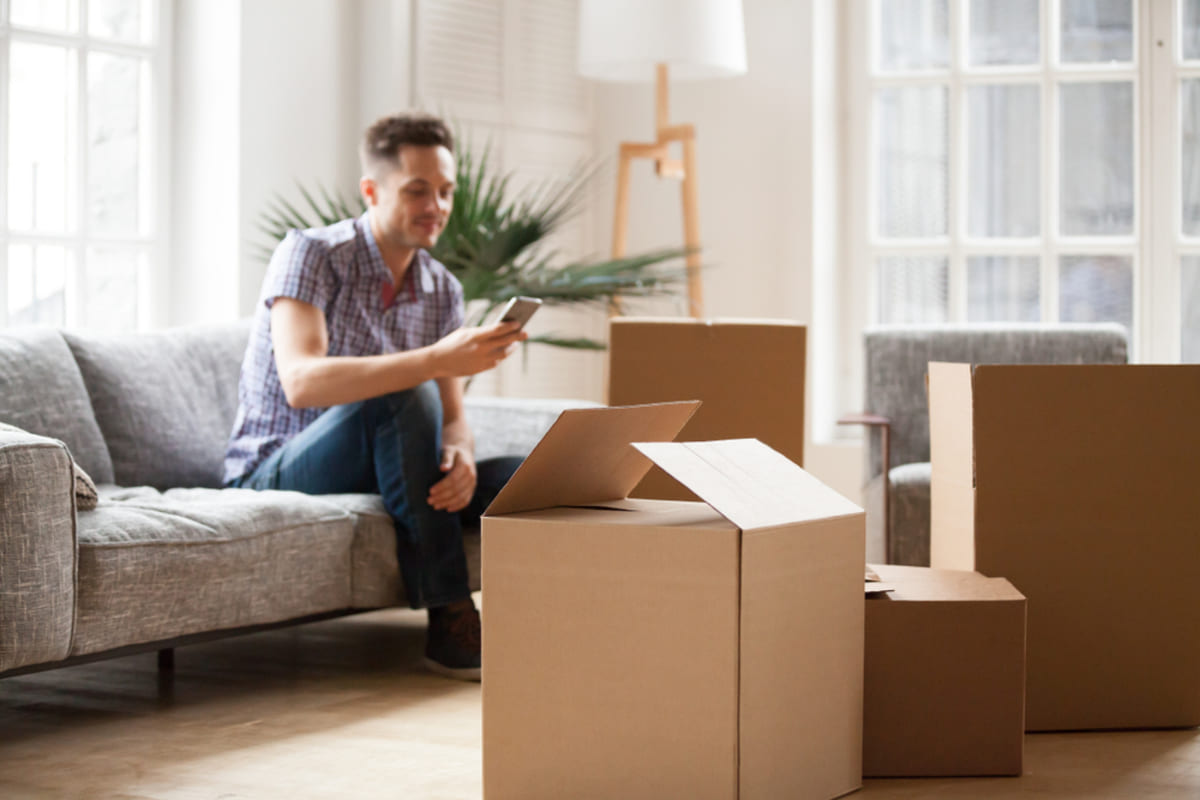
(391, 445)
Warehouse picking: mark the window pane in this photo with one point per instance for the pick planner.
(1004, 32)
(126, 20)
(911, 131)
(40, 129)
(1096, 289)
(1003, 289)
(55, 15)
(1097, 30)
(1003, 161)
(37, 280)
(114, 111)
(1191, 29)
(1097, 158)
(1189, 297)
(912, 34)
(111, 280)
(913, 290)
(1189, 157)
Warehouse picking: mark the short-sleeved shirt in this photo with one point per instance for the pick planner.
(339, 270)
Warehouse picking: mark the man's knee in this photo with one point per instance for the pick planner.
(420, 405)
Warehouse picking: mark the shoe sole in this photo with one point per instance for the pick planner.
(457, 673)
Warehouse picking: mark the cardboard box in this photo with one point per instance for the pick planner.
(662, 649)
(749, 374)
(944, 675)
(1080, 485)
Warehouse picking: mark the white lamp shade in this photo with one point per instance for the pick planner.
(622, 40)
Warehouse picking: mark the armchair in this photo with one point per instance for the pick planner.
(896, 410)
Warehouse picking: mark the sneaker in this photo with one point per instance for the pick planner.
(452, 643)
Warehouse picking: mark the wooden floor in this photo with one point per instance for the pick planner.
(342, 709)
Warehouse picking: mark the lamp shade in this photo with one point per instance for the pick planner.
(623, 40)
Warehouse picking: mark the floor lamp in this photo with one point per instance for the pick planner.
(638, 41)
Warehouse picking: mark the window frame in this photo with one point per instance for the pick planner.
(151, 242)
(1155, 246)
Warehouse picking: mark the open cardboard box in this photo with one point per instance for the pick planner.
(749, 374)
(944, 684)
(667, 649)
(1081, 485)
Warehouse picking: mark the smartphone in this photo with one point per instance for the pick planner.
(520, 309)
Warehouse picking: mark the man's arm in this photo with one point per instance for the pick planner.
(313, 379)
(454, 491)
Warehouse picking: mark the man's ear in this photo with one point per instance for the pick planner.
(368, 189)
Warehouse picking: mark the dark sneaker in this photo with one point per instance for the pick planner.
(452, 643)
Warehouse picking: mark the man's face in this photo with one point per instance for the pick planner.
(410, 205)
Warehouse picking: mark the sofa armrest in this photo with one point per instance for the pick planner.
(869, 420)
(37, 549)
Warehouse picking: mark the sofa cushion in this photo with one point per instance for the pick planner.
(42, 391)
(165, 401)
(154, 566)
(375, 572)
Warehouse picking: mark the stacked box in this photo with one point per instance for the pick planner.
(1079, 484)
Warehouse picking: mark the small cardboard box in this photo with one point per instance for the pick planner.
(1079, 484)
(749, 374)
(944, 675)
(663, 649)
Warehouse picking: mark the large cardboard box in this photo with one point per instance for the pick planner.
(749, 374)
(1079, 485)
(657, 649)
(944, 684)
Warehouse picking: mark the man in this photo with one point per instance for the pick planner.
(352, 379)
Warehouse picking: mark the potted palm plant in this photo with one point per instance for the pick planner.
(495, 243)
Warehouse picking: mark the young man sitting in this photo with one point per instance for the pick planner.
(352, 378)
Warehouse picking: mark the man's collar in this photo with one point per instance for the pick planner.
(418, 278)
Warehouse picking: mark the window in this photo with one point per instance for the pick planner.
(80, 89)
(1029, 160)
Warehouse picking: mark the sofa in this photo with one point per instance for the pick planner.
(168, 557)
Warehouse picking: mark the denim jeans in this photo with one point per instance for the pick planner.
(391, 445)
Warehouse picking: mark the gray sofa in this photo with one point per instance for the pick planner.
(168, 557)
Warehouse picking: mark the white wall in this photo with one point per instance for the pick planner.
(299, 111)
(267, 93)
(202, 270)
(762, 141)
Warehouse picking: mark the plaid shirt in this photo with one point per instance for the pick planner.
(339, 270)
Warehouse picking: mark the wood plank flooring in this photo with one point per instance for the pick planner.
(343, 709)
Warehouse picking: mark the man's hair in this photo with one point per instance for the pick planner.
(380, 150)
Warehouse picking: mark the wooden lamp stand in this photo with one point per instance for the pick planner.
(666, 167)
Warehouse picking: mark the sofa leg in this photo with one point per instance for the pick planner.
(166, 660)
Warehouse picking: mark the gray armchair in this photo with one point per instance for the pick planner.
(896, 410)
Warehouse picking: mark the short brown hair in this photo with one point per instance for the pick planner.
(382, 141)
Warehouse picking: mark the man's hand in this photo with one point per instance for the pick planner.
(468, 351)
(453, 492)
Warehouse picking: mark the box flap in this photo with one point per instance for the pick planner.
(747, 482)
(586, 456)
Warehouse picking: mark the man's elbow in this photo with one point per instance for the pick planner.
(296, 388)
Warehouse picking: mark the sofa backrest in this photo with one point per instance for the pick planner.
(165, 401)
(42, 391)
(897, 358)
